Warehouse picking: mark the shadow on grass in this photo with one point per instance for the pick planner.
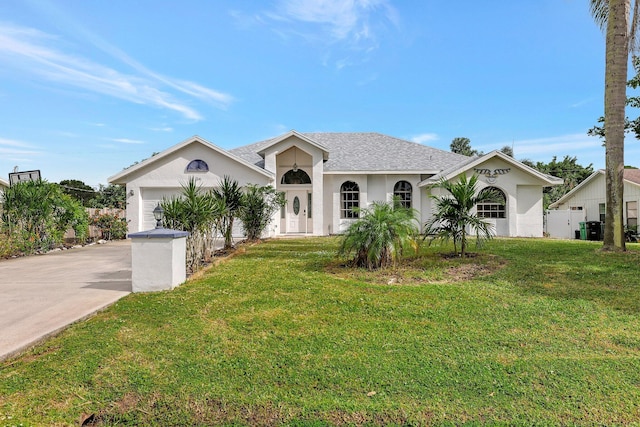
(574, 270)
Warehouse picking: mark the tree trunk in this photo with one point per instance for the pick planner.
(617, 57)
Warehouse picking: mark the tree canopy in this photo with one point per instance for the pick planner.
(462, 145)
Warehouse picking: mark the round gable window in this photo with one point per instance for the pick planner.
(197, 166)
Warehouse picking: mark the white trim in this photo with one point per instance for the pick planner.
(279, 139)
(379, 172)
(119, 178)
(4, 183)
(586, 181)
(452, 173)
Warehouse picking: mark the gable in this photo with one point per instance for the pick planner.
(493, 167)
(194, 157)
(593, 189)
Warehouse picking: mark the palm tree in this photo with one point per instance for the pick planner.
(621, 40)
(229, 194)
(453, 214)
(377, 238)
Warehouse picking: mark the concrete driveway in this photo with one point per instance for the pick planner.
(41, 295)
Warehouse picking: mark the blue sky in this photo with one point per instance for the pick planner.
(89, 87)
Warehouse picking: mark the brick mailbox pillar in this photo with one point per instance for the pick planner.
(158, 259)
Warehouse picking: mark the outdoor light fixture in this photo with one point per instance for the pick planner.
(158, 214)
(295, 159)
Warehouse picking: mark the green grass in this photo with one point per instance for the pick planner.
(547, 333)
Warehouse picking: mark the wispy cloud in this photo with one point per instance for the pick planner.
(162, 129)
(351, 25)
(17, 151)
(586, 149)
(351, 20)
(13, 143)
(423, 138)
(34, 52)
(126, 140)
(556, 145)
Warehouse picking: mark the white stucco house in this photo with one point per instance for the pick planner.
(325, 175)
(586, 202)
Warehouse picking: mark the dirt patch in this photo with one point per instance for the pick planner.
(437, 269)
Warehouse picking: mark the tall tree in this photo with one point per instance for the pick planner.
(508, 150)
(78, 190)
(461, 145)
(613, 15)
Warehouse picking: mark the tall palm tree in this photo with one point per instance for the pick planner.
(621, 40)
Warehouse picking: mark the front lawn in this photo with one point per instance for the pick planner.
(528, 331)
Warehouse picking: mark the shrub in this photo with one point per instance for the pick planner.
(379, 236)
(257, 207)
(36, 214)
(111, 226)
(198, 213)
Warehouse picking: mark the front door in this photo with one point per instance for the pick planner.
(296, 211)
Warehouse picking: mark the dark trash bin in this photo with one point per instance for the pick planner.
(577, 234)
(594, 230)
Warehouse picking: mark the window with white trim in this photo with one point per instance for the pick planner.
(403, 192)
(495, 209)
(197, 165)
(632, 214)
(349, 199)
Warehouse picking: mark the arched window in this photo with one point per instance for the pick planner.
(197, 166)
(349, 199)
(403, 192)
(295, 177)
(495, 209)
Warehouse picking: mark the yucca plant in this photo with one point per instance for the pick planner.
(197, 212)
(379, 236)
(453, 214)
(228, 194)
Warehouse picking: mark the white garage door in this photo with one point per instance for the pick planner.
(152, 196)
(150, 199)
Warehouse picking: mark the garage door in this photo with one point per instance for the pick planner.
(150, 199)
(152, 196)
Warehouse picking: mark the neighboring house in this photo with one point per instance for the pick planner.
(325, 175)
(586, 202)
(3, 184)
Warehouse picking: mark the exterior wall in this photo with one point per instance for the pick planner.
(279, 158)
(529, 211)
(372, 188)
(165, 177)
(523, 192)
(593, 194)
(589, 197)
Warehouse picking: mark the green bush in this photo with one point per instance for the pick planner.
(111, 226)
(258, 206)
(36, 215)
(379, 236)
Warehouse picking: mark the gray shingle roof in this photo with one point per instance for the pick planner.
(367, 151)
